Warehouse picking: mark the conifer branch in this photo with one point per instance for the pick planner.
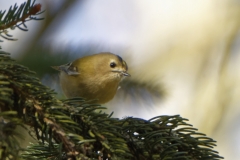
(73, 129)
(17, 16)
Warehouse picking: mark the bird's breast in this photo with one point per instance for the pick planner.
(91, 87)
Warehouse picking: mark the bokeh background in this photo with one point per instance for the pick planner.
(184, 56)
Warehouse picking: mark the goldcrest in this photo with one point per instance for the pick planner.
(95, 77)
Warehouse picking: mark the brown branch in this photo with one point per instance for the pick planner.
(59, 133)
(60, 136)
(33, 11)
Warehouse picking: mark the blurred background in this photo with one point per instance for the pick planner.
(184, 56)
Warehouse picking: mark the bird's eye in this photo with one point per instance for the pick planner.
(112, 64)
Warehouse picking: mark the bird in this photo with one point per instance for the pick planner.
(95, 77)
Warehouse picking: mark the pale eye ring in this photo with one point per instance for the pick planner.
(113, 64)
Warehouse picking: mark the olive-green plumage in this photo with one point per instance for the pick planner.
(95, 77)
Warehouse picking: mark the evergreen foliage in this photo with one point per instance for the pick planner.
(74, 129)
(17, 16)
(77, 130)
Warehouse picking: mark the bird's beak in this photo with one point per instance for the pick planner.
(126, 74)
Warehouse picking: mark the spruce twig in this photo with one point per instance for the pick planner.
(17, 16)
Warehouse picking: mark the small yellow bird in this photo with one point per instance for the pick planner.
(95, 77)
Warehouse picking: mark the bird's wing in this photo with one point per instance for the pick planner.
(67, 68)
